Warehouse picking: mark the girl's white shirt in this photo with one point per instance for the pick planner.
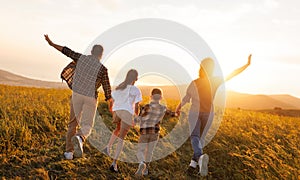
(125, 99)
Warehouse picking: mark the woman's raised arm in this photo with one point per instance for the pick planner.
(239, 70)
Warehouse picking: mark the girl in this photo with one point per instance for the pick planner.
(126, 100)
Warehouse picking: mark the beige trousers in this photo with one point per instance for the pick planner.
(82, 114)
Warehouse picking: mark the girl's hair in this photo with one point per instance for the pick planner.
(131, 76)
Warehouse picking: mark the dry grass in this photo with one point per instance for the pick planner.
(248, 145)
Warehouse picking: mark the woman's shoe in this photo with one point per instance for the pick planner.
(113, 169)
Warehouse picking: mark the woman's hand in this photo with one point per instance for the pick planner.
(249, 59)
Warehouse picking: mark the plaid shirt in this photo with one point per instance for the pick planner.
(90, 75)
(150, 117)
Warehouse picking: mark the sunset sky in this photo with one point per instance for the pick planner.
(269, 29)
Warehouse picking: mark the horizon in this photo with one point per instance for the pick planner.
(268, 29)
(152, 85)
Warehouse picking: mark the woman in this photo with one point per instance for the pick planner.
(202, 91)
(126, 100)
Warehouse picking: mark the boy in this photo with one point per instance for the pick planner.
(149, 120)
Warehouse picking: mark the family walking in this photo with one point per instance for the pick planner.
(85, 74)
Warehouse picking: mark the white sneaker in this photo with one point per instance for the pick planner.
(140, 171)
(78, 146)
(68, 155)
(114, 168)
(193, 164)
(203, 161)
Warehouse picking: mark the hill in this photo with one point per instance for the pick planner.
(257, 102)
(233, 99)
(11, 79)
(287, 98)
(239, 100)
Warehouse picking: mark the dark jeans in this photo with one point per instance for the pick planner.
(199, 123)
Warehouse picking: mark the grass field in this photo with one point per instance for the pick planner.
(248, 144)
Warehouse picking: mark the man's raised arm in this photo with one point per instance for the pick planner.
(65, 50)
(58, 47)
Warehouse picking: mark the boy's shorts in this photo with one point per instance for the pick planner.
(148, 138)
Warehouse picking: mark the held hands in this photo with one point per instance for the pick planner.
(177, 112)
(48, 40)
(135, 120)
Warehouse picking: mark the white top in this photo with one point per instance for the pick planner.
(125, 99)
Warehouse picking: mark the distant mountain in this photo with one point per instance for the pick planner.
(249, 101)
(288, 99)
(240, 100)
(233, 99)
(170, 92)
(11, 79)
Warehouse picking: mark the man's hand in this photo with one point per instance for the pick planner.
(56, 46)
(48, 40)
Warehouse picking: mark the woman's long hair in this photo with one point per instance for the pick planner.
(207, 67)
(131, 76)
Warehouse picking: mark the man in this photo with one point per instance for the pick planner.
(89, 75)
(201, 92)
